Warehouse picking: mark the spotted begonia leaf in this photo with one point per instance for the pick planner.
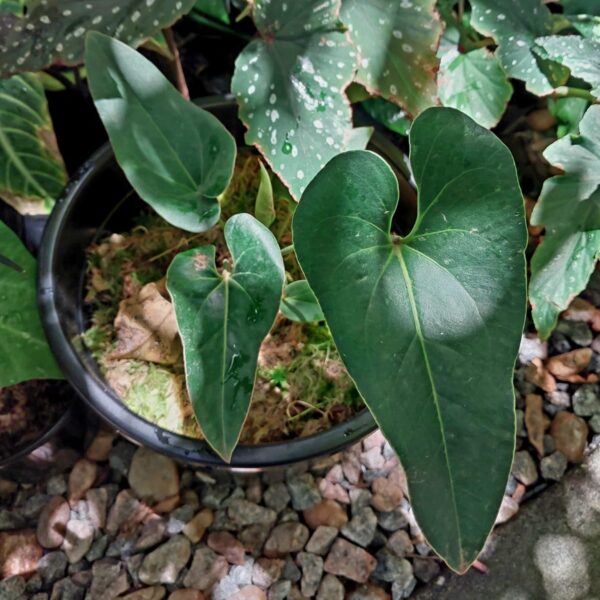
(569, 209)
(580, 55)
(476, 84)
(515, 25)
(290, 86)
(32, 174)
(586, 25)
(396, 43)
(53, 31)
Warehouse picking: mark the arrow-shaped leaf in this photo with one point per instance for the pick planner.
(223, 319)
(53, 31)
(32, 174)
(569, 209)
(24, 352)
(290, 84)
(176, 155)
(396, 44)
(429, 325)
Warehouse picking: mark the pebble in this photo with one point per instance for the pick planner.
(359, 498)
(109, 579)
(280, 590)
(179, 518)
(369, 592)
(553, 467)
(52, 522)
(277, 496)
(331, 588)
(214, 495)
(79, 536)
(120, 457)
(400, 543)
(326, 512)
(586, 400)
(388, 492)
(126, 511)
(508, 509)
(266, 571)
(291, 570)
(350, 561)
(244, 513)
(99, 449)
(97, 502)
(206, 570)
(150, 593)
(254, 537)
(225, 544)
(19, 553)
(56, 485)
(392, 520)
(361, 528)
(425, 569)
(372, 458)
(97, 549)
(224, 589)
(153, 532)
(594, 423)
(286, 538)
(570, 435)
(12, 588)
(152, 476)
(67, 589)
(249, 592)
(303, 491)
(52, 567)
(333, 491)
(532, 347)
(164, 564)
(524, 468)
(321, 539)
(81, 479)
(311, 566)
(187, 595)
(194, 530)
(576, 331)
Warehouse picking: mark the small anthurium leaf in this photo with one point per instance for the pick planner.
(388, 114)
(299, 303)
(176, 155)
(32, 174)
(568, 112)
(476, 84)
(24, 352)
(569, 209)
(223, 319)
(580, 55)
(53, 31)
(416, 318)
(396, 43)
(264, 208)
(515, 25)
(290, 86)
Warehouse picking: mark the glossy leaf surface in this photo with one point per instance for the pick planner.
(24, 352)
(290, 86)
(223, 319)
(32, 174)
(299, 303)
(264, 208)
(176, 155)
(396, 44)
(429, 325)
(569, 209)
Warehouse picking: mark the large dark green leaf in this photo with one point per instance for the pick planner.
(396, 43)
(32, 174)
(53, 31)
(223, 319)
(290, 85)
(569, 209)
(515, 25)
(581, 7)
(429, 325)
(177, 156)
(24, 352)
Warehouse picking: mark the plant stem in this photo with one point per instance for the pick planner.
(223, 28)
(287, 250)
(572, 92)
(482, 43)
(179, 75)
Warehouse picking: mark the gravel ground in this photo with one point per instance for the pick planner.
(126, 522)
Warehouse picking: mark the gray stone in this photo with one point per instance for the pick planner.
(312, 572)
(331, 588)
(559, 399)
(120, 457)
(245, 513)
(524, 468)
(178, 519)
(57, 485)
(586, 400)
(288, 514)
(361, 528)
(34, 505)
(11, 520)
(549, 444)
(206, 570)
(291, 572)
(400, 543)
(97, 549)
(213, 496)
(12, 588)
(67, 589)
(403, 588)
(426, 569)
(286, 538)
(304, 491)
(393, 520)
(225, 589)
(521, 423)
(164, 564)
(594, 423)
(52, 567)
(122, 546)
(321, 540)
(280, 590)
(223, 522)
(577, 331)
(392, 568)
(553, 466)
(360, 498)
(133, 565)
(35, 583)
(277, 496)
(242, 574)
(152, 533)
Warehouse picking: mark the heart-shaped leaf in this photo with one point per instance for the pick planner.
(32, 174)
(569, 209)
(299, 303)
(223, 319)
(24, 352)
(53, 30)
(580, 55)
(176, 155)
(515, 25)
(475, 83)
(396, 44)
(429, 325)
(290, 84)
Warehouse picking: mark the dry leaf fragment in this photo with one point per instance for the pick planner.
(569, 363)
(536, 373)
(536, 421)
(147, 329)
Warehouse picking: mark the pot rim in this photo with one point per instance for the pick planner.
(106, 403)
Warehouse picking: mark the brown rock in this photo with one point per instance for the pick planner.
(225, 544)
(109, 579)
(126, 513)
(254, 537)
(286, 538)
(569, 363)
(52, 522)
(536, 421)
(194, 529)
(19, 553)
(97, 500)
(164, 564)
(387, 492)
(537, 374)
(156, 592)
(152, 476)
(81, 479)
(249, 592)
(570, 435)
(167, 505)
(327, 512)
(187, 595)
(350, 561)
(152, 532)
(370, 592)
(101, 446)
(207, 569)
(266, 571)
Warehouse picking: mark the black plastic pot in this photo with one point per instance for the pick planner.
(100, 201)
